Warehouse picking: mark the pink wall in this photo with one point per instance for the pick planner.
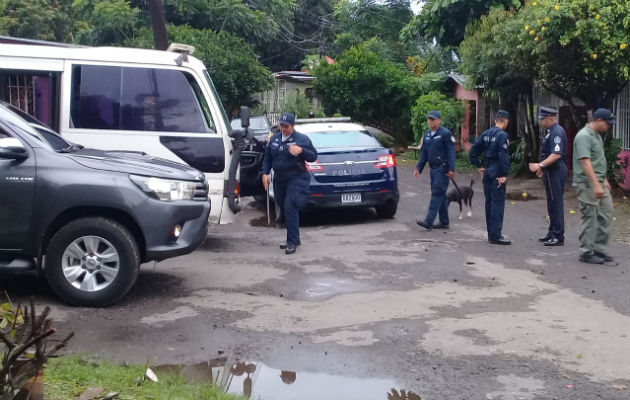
(625, 157)
(465, 94)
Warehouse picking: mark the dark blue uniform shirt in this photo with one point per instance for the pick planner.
(554, 142)
(284, 164)
(494, 144)
(438, 150)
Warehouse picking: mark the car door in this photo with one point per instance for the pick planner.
(17, 195)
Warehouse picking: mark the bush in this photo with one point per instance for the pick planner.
(297, 104)
(451, 109)
(614, 165)
(385, 140)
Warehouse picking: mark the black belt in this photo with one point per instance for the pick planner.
(435, 165)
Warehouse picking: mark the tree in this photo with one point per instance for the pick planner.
(37, 19)
(364, 86)
(446, 20)
(579, 47)
(231, 62)
(105, 22)
(451, 109)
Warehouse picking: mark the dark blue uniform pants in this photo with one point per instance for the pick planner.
(290, 194)
(554, 178)
(495, 204)
(438, 204)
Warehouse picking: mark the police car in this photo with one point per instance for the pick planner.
(352, 170)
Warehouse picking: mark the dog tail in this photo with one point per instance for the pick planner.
(456, 187)
(471, 182)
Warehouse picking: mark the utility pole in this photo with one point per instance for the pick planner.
(158, 23)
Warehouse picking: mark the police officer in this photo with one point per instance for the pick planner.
(438, 149)
(553, 168)
(494, 145)
(286, 153)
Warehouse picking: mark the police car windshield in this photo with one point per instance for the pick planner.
(336, 139)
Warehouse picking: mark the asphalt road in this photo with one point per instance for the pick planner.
(369, 305)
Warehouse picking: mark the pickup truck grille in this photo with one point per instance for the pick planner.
(201, 191)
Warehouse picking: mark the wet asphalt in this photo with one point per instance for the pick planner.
(368, 308)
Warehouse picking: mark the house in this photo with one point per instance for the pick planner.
(475, 119)
(287, 83)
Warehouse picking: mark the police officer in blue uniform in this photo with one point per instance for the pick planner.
(553, 168)
(438, 149)
(494, 145)
(286, 153)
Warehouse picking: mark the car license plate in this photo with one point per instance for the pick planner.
(350, 198)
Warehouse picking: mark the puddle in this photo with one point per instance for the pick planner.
(258, 381)
(519, 197)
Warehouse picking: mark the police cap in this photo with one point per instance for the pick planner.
(502, 114)
(544, 112)
(434, 114)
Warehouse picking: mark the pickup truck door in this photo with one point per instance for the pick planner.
(17, 196)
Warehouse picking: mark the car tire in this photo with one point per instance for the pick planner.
(387, 210)
(108, 268)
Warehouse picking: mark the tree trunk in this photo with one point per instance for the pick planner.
(159, 25)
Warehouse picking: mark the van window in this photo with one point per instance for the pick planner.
(139, 99)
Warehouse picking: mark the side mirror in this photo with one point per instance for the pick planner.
(12, 149)
(245, 114)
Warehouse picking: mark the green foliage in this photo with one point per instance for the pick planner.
(385, 140)
(451, 109)
(297, 104)
(232, 64)
(614, 165)
(492, 57)
(68, 377)
(364, 86)
(37, 19)
(105, 22)
(579, 47)
(446, 20)
(462, 162)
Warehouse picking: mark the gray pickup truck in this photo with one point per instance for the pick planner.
(88, 218)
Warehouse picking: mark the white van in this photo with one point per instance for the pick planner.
(162, 103)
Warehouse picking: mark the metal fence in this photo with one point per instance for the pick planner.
(621, 108)
(20, 90)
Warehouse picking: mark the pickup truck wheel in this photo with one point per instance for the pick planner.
(92, 262)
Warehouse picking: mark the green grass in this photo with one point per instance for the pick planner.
(67, 377)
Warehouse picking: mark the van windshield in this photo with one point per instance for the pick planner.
(226, 120)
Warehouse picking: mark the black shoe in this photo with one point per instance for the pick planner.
(500, 241)
(424, 224)
(545, 238)
(604, 256)
(290, 248)
(440, 226)
(554, 242)
(284, 245)
(591, 258)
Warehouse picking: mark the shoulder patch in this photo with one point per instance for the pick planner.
(557, 139)
(557, 148)
(453, 139)
(505, 146)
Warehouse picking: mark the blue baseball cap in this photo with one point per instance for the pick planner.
(605, 114)
(502, 114)
(544, 112)
(434, 114)
(287, 119)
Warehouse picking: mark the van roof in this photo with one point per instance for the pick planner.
(108, 54)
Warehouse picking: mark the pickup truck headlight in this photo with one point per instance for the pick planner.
(165, 189)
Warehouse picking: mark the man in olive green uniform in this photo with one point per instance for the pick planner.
(589, 175)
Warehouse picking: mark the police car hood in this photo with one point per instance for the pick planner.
(136, 163)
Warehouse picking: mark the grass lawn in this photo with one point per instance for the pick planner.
(65, 378)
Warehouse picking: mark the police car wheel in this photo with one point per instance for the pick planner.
(92, 262)
(387, 210)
